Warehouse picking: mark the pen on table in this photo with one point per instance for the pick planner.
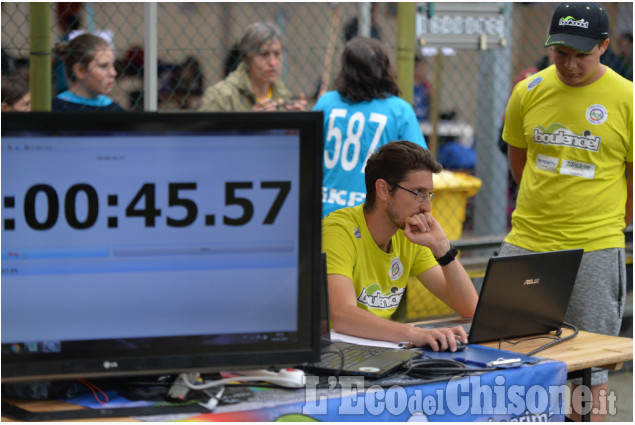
(470, 361)
(494, 363)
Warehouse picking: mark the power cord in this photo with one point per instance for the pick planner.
(440, 369)
(338, 351)
(557, 341)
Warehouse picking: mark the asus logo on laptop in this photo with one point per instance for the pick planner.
(532, 281)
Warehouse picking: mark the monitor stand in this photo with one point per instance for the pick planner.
(12, 411)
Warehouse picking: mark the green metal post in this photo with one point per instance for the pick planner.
(40, 56)
(406, 48)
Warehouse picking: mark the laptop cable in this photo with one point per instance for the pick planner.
(440, 369)
(556, 339)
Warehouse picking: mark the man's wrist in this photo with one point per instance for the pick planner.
(448, 257)
(440, 248)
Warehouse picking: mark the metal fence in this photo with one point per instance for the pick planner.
(474, 52)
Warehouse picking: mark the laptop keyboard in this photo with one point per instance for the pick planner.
(466, 326)
(353, 355)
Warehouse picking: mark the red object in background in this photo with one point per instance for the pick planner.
(134, 56)
(68, 13)
(524, 74)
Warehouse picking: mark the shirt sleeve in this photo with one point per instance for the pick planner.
(319, 105)
(410, 130)
(629, 157)
(424, 260)
(213, 100)
(339, 248)
(513, 132)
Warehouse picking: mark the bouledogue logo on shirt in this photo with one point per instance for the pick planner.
(372, 297)
(557, 134)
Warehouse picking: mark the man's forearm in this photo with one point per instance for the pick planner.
(355, 321)
(460, 288)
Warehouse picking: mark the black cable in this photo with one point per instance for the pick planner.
(558, 340)
(407, 365)
(440, 369)
(527, 339)
(339, 352)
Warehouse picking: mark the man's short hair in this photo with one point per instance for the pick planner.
(393, 162)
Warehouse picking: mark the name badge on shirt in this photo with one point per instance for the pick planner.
(580, 169)
(546, 163)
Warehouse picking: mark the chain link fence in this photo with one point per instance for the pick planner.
(470, 84)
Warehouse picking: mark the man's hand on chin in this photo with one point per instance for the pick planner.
(423, 229)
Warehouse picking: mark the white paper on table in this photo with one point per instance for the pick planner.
(336, 336)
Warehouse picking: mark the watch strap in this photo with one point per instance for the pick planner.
(448, 257)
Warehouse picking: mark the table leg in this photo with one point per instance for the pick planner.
(585, 374)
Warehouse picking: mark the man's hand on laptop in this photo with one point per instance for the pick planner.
(441, 339)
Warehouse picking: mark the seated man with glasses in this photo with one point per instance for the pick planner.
(372, 249)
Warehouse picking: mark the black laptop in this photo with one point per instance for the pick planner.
(346, 359)
(522, 295)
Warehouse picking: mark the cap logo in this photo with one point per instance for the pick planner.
(570, 21)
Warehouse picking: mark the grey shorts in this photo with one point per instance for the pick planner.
(599, 295)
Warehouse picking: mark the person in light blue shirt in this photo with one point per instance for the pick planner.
(362, 114)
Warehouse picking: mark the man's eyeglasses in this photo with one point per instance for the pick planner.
(419, 196)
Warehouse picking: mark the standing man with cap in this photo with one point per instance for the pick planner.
(570, 135)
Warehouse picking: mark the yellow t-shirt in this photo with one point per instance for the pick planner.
(573, 190)
(379, 278)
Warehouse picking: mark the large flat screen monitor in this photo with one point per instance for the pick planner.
(151, 243)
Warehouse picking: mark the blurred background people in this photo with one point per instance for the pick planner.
(422, 96)
(351, 28)
(231, 60)
(16, 96)
(69, 19)
(620, 57)
(362, 114)
(89, 62)
(255, 85)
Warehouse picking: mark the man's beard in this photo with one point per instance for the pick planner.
(392, 215)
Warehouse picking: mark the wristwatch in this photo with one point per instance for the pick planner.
(448, 257)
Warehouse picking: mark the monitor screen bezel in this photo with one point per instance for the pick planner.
(172, 360)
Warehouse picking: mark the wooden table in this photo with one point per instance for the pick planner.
(581, 353)
(584, 351)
